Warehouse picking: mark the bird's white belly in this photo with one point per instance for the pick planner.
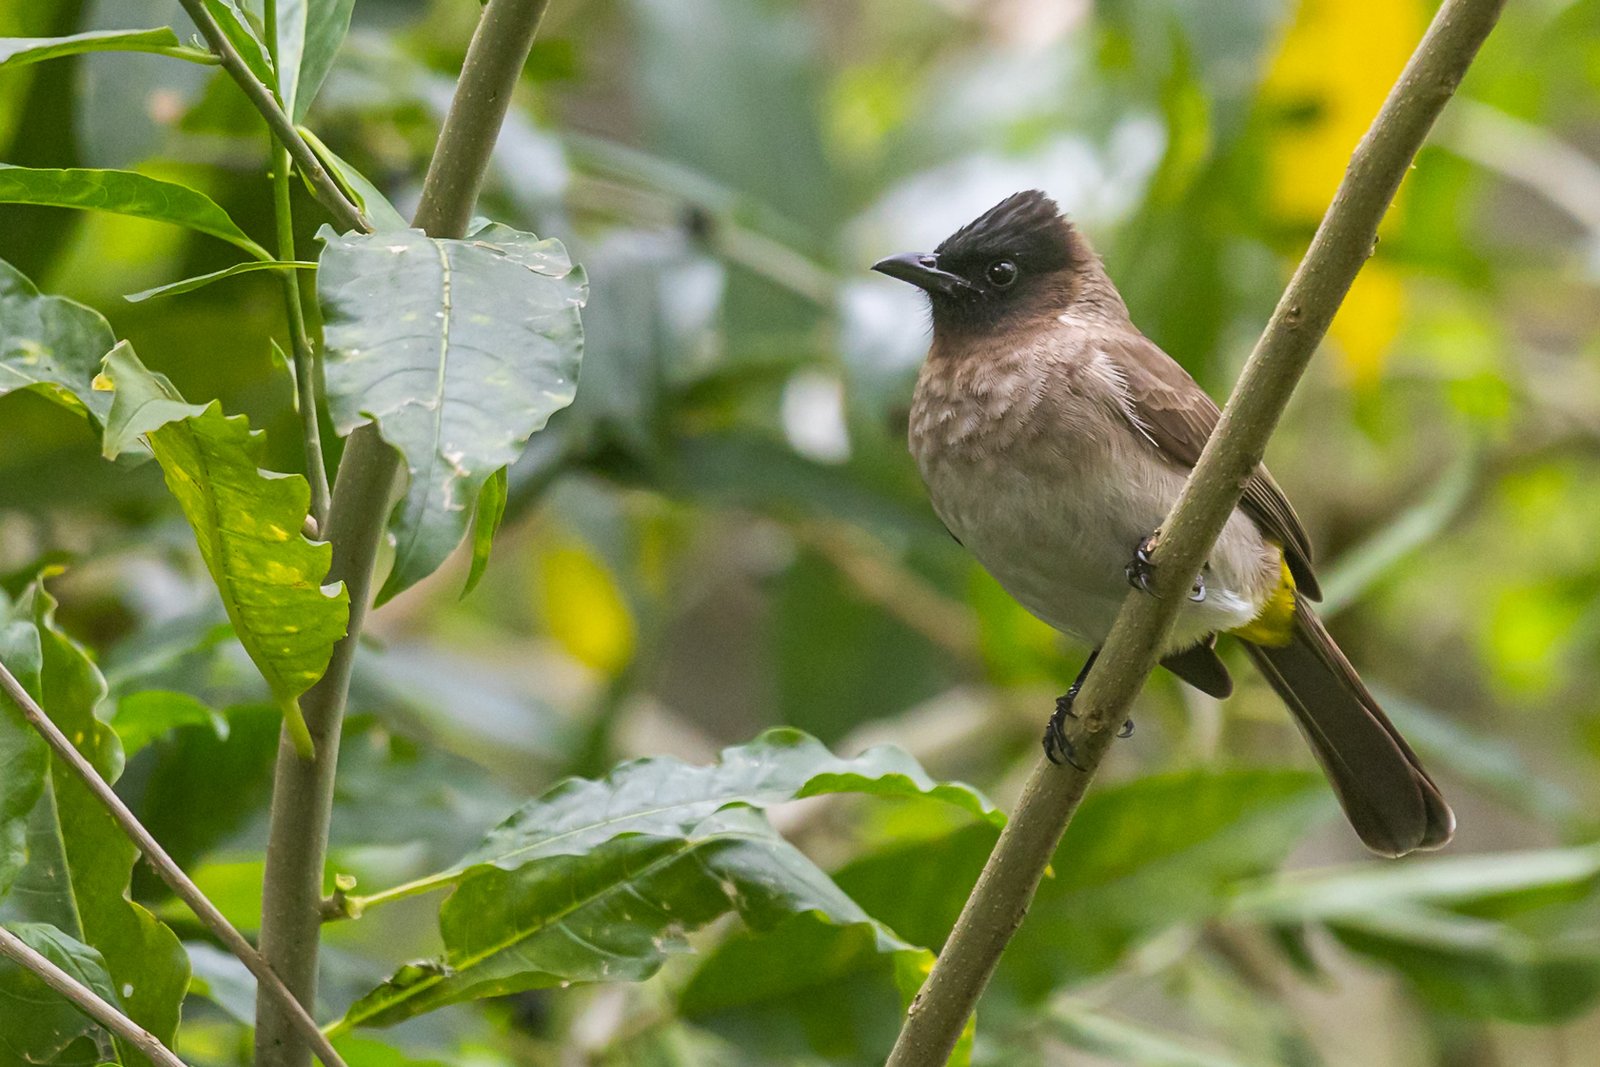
(1058, 536)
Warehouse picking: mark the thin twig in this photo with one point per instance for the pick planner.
(305, 365)
(1342, 244)
(87, 1001)
(302, 790)
(166, 867)
(327, 191)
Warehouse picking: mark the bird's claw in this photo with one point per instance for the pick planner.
(1141, 572)
(1127, 728)
(1057, 749)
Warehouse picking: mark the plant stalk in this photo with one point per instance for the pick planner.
(302, 795)
(86, 1000)
(323, 187)
(1343, 242)
(271, 987)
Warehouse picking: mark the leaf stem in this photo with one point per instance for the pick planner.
(323, 187)
(1343, 242)
(86, 1000)
(272, 987)
(355, 906)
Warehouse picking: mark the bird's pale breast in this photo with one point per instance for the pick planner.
(1030, 461)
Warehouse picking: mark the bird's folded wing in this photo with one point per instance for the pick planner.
(1177, 417)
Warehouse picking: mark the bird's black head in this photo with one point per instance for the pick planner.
(1010, 265)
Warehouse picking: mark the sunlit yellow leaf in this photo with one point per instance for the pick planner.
(583, 608)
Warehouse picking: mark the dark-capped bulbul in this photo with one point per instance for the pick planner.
(1054, 438)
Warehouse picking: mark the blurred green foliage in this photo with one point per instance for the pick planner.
(724, 533)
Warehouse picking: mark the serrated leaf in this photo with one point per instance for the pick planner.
(241, 33)
(51, 344)
(664, 797)
(17, 51)
(123, 192)
(248, 525)
(486, 520)
(37, 1023)
(199, 281)
(80, 861)
(613, 913)
(309, 35)
(459, 350)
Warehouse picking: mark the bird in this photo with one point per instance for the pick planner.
(1054, 437)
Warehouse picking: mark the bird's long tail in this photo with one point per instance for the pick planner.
(1389, 799)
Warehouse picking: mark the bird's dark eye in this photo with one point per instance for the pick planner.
(1001, 273)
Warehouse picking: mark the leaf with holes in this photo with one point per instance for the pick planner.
(247, 522)
(459, 350)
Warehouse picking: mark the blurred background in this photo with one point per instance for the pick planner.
(726, 533)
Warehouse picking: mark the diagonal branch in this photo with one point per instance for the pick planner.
(1343, 242)
(326, 190)
(86, 1000)
(165, 866)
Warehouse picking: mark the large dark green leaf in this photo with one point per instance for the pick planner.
(1488, 936)
(658, 847)
(459, 350)
(247, 522)
(51, 345)
(80, 861)
(16, 51)
(309, 35)
(667, 798)
(36, 1023)
(123, 192)
(612, 913)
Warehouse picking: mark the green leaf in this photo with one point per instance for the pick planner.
(1124, 1042)
(51, 344)
(667, 798)
(23, 754)
(1487, 936)
(612, 913)
(309, 35)
(37, 1023)
(241, 33)
(247, 522)
(17, 51)
(80, 861)
(373, 203)
(459, 350)
(151, 714)
(189, 285)
(123, 192)
(491, 509)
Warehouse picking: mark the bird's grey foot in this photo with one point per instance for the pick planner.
(1057, 749)
(1127, 728)
(1141, 572)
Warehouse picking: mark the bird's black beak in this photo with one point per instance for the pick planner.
(921, 269)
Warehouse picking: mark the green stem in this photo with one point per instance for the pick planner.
(1343, 243)
(356, 906)
(302, 796)
(306, 372)
(323, 187)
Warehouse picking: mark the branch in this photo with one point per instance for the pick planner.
(302, 791)
(86, 1000)
(323, 187)
(272, 987)
(1342, 244)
